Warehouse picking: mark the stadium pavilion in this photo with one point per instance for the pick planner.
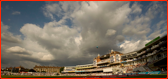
(149, 58)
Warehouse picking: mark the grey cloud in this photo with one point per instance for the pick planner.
(10, 60)
(136, 8)
(120, 38)
(8, 36)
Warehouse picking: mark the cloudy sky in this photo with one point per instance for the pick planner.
(67, 33)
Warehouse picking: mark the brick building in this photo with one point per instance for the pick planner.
(47, 69)
(8, 68)
(15, 69)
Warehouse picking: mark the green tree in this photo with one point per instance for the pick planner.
(61, 69)
(26, 70)
(43, 71)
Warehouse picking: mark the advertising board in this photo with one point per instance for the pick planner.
(153, 72)
(107, 70)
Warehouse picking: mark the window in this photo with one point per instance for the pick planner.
(112, 59)
(117, 58)
(123, 57)
(134, 55)
(94, 62)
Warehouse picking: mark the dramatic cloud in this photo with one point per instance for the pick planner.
(60, 41)
(130, 46)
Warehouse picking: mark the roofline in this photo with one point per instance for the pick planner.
(84, 65)
(69, 66)
(130, 52)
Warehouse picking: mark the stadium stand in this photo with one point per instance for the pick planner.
(142, 60)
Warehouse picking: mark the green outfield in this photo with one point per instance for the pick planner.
(142, 76)
(6, 76)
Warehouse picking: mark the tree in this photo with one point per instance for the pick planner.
(26, 70)
(43, 71)
(61, 69)
(32, 70)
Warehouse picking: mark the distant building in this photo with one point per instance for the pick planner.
(8, 68)
(47, 69)
(14, 69)
(19, 69)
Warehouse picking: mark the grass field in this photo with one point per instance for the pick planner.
(5, 76)
(142, 76)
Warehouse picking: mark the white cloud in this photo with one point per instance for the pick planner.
(78, 40)
(16, 49)
(110, 32)
(43, 56)
(138, 28)
(156, 34)
(8, 36)
(51, 9)
(15, 13)
(96, 19)
(136, 8)
(4, 28)
(160, 24)
(160, 29)
(57, 40)
(130, 46)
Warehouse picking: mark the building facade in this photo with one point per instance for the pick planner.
(47, 69)
(15, 69)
